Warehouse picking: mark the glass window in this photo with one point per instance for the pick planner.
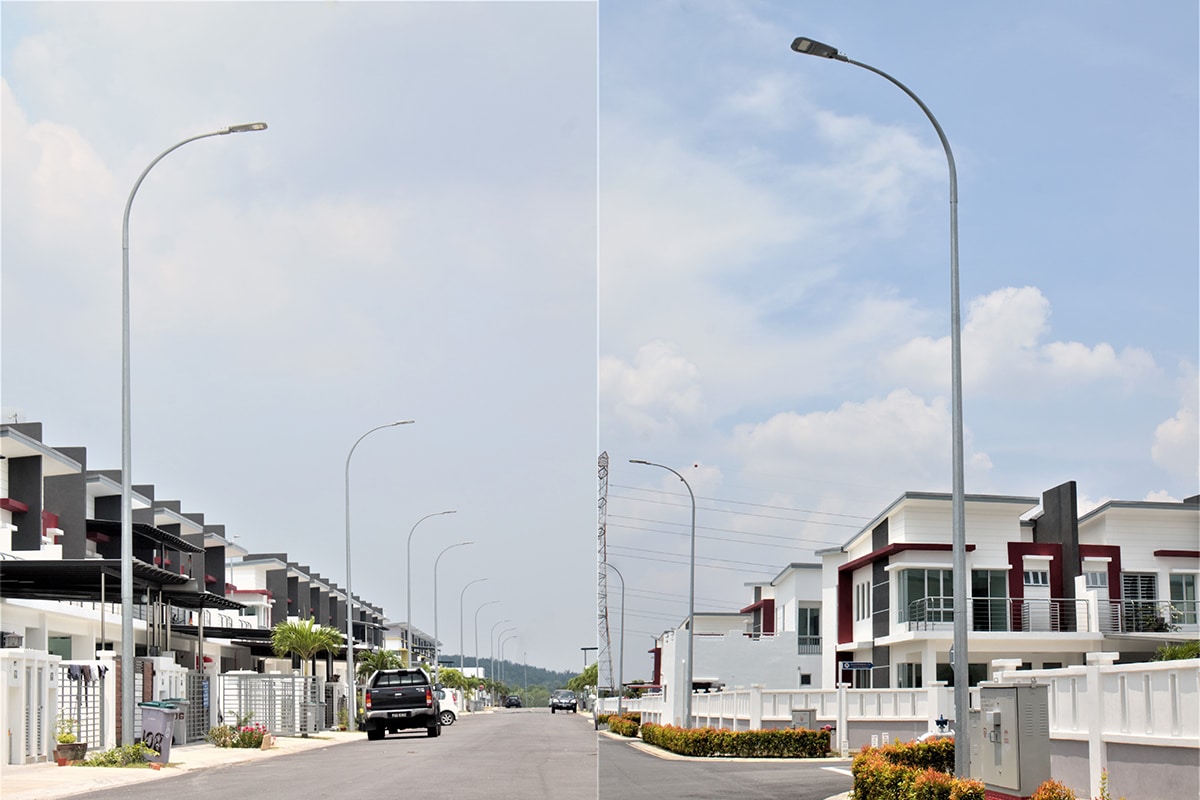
(908, 676)
(1096, 580)
(808, 629)
(1183, 599)
(926, 595)
(1037, 577)
(989, 603)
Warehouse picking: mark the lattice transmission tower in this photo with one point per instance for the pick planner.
(604, 677)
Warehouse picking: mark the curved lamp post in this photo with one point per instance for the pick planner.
(462, 647)
(481, 607)
(127, 648)
(499, 647)
(690, 672)
(492, 644)
(515, 636)
(436, 643)
(353, 700)
(408, 577)
(962, 755)
(621, 652)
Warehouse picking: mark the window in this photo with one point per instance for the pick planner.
(926, 595)
(1140, 612)
(989, 603)
(862, 601)
(1096, 580)
(805, 679)
(908, 676)
(1183, 599)
(808, 629)
(1037, 577)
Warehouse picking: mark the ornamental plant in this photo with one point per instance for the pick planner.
(624, 725)
(64, 731)
(710, 742)
(126, 755)
(912, 770)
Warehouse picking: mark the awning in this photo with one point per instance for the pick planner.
(80, 579)
(112, 527)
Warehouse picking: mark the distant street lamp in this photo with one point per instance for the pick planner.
(505, 640)
(127, 648)
(621, 655)
(690, 671)
(481, 607)
(436, 642)
(962, 755)
(408, 577)
(462, 647)
(492, 638)
(352, 699)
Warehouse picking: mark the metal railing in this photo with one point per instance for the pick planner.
(1147, 616)
(1003, 615)
(288, 705)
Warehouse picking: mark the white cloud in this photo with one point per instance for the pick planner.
(658, 393)
(1003, 350)
(1176, 447)
(896, 437)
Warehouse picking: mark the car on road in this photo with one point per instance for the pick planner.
(563, 700)
(448, 701)
(512, 701)
(398, 699)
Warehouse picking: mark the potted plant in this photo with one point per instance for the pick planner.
(69, 748)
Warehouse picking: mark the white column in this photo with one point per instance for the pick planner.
(1097, 752)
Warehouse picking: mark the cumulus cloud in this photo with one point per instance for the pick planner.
(900, 435)
(657, 393)
(1176, 447)
(1003, 347)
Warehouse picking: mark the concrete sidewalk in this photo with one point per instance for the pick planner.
(50, 781)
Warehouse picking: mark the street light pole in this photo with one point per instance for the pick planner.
(962, 755)
(503, 642)
(462, 647)
(349, 593)
(500, 647)
(492, 645)
(621, 651)
(408, 579)
(127, 648)
(436, 643)
(687, 694)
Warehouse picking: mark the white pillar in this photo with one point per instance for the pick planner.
(843, 732)
(756, 703)
(1097, 752)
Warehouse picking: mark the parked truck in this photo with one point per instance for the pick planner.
(399, 699)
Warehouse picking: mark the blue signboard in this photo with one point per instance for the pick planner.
(857, 665)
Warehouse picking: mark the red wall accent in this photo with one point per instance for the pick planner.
(1016, 577)
(657, 653)
(768, 616)
(1110, 551)
(9, 504)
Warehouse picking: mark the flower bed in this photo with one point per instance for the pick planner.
(913, 771)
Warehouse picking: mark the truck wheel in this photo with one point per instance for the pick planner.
(433, 730)
(551, 709)
(375, 734)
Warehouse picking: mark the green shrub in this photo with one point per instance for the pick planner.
(710, 742)
(912, 771)
(624, 725)
(126, 755)
(1053, 790)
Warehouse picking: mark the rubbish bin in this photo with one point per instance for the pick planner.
(179, 729)
(158, 721)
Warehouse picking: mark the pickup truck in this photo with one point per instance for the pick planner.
(396, 699)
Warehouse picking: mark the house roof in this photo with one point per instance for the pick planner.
(112, 527)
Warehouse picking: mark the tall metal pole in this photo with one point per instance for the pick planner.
(437, 642)
(505, 640)
(621, 649)
(127, 645)
(408, 579)
(351, 698)
(962, 755)
(492, 645)
(462, 647)
(690, 671)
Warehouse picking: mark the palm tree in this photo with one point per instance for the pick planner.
(305, 639)
(371, 661)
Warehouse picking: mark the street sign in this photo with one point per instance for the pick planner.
(857, 665)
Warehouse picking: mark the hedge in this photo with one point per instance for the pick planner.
(624, 725)
(911, 771)
(710, 742)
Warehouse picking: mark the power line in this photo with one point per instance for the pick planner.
(790, 540)
(741, 503)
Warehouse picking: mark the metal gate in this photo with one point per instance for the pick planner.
(196, 717)
(81, 701)
(287, 705)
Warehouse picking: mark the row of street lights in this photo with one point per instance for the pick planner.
(802, 45)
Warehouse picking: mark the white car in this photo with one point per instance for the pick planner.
(450, 702)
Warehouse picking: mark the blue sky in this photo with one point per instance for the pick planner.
(774, 270)
(549, 229)
(412, 237)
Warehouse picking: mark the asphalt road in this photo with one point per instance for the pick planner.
(512, 753)
(626, 772)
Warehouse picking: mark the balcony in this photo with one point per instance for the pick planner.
(1057, 615)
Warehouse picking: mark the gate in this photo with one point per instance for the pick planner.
(81, 699)
(288, 705)
(196, 717)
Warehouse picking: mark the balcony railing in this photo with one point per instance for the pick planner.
(1057, 615)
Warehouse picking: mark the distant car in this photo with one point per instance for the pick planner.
(512, 702)
(563, 699)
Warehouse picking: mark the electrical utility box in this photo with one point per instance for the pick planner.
(805, 718)
(1010, 739)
